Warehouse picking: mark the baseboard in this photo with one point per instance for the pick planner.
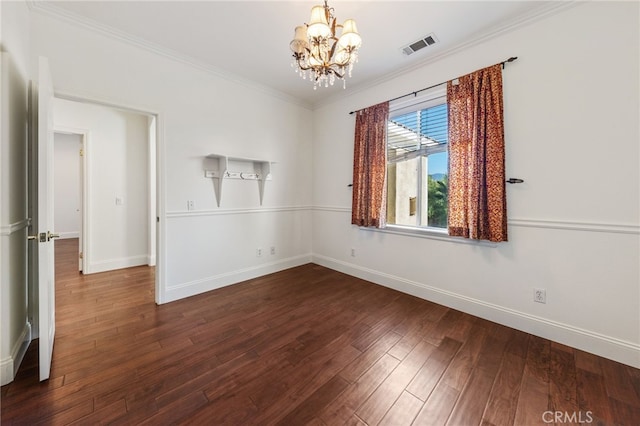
(113, 264)
(605, 346)
(191, 288)
(9, 365)
(6, 370)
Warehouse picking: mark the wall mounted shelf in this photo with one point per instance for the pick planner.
(220, 167)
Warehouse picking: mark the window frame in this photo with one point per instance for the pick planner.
(438, 234)
(427, 99)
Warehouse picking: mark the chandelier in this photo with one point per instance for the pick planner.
(321, 56)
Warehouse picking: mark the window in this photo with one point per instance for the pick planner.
(433, 182)
(417, 163)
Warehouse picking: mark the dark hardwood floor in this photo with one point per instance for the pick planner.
(307, 346)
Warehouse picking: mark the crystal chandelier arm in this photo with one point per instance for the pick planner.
(333, 27)
(333, 49)
(327, 69)
(336, 73)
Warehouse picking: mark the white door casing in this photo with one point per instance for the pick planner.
(84, 135)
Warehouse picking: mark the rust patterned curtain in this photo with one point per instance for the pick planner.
(369, 167)
(477, 199)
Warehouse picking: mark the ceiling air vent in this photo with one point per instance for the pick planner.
(420, 44)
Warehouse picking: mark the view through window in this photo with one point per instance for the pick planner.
(417, 165)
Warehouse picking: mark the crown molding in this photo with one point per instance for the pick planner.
(545, 10)
(49, 8)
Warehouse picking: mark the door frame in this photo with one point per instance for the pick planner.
(160, 181)
(85, 136)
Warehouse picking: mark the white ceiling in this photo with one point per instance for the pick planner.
(250, 39)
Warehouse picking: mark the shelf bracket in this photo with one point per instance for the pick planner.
(261, 172)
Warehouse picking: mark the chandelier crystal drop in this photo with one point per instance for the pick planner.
(319, 54)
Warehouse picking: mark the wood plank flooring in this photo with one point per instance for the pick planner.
(307, 346)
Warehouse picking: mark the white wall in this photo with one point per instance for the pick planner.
(15, 331)
(572, 133)
(199, 113)
(117, 167)
(66, 184)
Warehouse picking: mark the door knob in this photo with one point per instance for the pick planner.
(41, 237)
(51, 236)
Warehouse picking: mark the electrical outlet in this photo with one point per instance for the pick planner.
(353, 252)
(191, 205)
(540, 295)
(273, 250)
(258, 252)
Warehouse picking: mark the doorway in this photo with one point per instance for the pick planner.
(117, 166)
(68, 186)
(117, 191)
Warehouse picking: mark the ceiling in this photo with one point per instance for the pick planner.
(250, 39)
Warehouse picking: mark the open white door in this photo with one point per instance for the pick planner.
(42, 98)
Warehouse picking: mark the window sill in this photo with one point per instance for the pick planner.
(429, 233)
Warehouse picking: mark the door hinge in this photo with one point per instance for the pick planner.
(81, 152)
(80, 255)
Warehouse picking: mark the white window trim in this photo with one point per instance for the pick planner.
(426, 99)
(422, 100)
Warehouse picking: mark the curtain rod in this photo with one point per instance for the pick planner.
(511, 59)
